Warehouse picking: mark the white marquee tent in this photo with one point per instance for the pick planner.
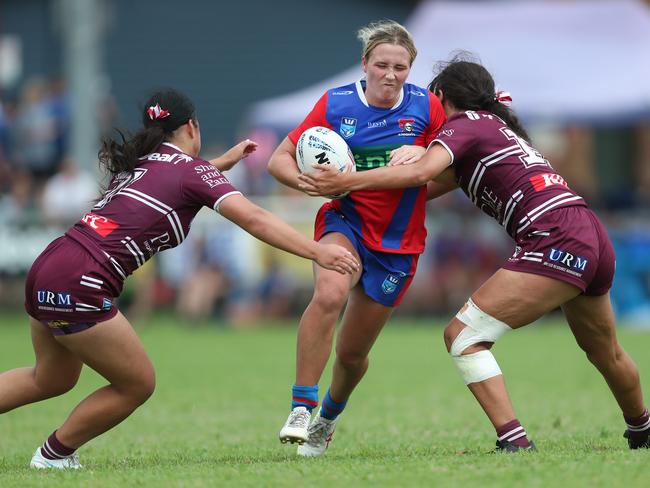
(561, 60)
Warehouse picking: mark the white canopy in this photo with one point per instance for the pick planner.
(571, 60)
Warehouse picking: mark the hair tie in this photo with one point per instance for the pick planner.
(503, 97)
(156, 113)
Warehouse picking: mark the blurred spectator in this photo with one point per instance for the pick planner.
(4, 146)
(18, 207)
(38, 132)
(68, 194)
(570, 151)
(631, 289)
(642, 166)
(60, 109)
(259, 180)
(274, 295)
(203, 287)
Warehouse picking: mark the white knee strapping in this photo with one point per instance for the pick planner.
(477, 366)
(480, 327)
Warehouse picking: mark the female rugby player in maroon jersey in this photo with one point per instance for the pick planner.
(563, 256)
(158, 184)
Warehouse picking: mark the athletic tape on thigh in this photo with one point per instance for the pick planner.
(480, 327)
(478, 366)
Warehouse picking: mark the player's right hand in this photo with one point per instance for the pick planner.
(326, 180)
(336, 258)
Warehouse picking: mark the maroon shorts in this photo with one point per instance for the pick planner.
(68, 290)
(569, 244)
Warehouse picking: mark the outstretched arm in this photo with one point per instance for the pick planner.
(271, 229)
(233, 155)
(328, 182)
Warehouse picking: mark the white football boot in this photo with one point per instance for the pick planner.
(320, 436)
(41, 462)
(295, 428)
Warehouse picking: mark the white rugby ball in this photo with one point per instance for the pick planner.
(320, 145)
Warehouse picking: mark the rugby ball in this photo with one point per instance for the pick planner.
(320, 145)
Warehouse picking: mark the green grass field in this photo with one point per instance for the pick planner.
(223, 395)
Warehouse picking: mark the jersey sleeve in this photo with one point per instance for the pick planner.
(457, 137)
(316, 117)
(436, 119)
(203, 184)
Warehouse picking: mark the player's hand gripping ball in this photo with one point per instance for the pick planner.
(320, 145)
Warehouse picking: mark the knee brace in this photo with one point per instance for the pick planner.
(479, 327)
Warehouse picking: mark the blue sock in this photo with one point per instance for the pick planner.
(330, 409)
(304, 396)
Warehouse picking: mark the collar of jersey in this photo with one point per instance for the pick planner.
(362, 96)
(173, 147)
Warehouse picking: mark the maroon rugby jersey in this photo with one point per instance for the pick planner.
(501, 173)
(151, 209)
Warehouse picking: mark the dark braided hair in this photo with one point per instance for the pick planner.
(163, 113)
(467, 85)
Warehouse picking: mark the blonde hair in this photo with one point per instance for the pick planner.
(386, 32)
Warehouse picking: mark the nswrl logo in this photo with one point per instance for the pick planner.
(348, 127)
(391, 283)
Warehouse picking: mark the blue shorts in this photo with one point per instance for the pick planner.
(385, 276)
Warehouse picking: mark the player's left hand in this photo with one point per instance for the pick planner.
(406, 155)
(233, 155)
(326, 180)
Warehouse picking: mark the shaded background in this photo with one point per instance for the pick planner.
(70, 70)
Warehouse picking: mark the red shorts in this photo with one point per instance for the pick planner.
(68, 290)
(569, 244)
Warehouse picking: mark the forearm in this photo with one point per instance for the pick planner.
(387, 177)
(436, 189)
(283, 166)
(285, 170)
(271, 229)
(222, 163)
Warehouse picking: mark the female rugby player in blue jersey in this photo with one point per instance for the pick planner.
(158, 184)
(383, 119)
(563, 256)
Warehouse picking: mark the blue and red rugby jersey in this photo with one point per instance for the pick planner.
(386, 220)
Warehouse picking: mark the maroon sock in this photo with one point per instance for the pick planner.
(514, 433)
(638, 426)
(53, 449)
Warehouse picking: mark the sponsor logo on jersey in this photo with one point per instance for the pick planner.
(58, 301)
(107, 304)
(343, 92)
(545, 180)
(416, 93)
(375, 125)
(102, 225)
(391, 282)
(447, 132)
(373, 157)
(210, 175)
(567, 260)
(168, 158)
(348, 127)
(407, 126)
